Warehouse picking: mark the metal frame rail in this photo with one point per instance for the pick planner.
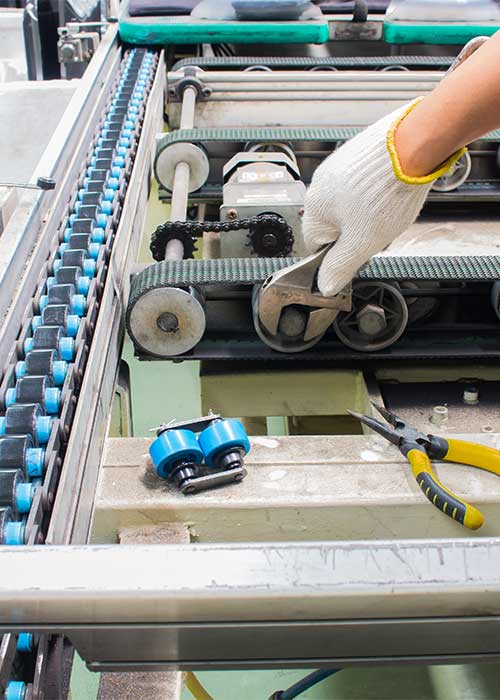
(254, 605)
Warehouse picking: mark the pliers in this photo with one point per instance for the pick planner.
(420, 448)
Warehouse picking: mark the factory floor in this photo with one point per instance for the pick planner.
(412, 682)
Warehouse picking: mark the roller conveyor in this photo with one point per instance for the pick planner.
(49, 353)
(41, 385)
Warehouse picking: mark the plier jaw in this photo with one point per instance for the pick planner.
(419, 448)
(396, 430)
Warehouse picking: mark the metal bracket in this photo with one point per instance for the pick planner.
(212, 479)
(77, 42)
(189, 79)
(355, 31)
(194, 424)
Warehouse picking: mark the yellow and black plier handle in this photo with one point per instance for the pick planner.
(448, 502)
(420, 448)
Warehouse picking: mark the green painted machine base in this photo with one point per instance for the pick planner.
(435, 33)
(154, 31)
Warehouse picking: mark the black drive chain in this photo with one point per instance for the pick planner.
(269, 235)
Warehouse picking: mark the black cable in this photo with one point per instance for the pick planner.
(360, 11)
(304, 684)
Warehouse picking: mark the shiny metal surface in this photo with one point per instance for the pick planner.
(155, 584)
(312, 98)
(182, 307)
(353, 601)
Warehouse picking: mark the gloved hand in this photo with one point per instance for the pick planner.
(360, 197)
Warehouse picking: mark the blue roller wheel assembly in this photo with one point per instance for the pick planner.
(214, 458)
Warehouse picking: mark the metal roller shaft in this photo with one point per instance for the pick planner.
(178, 207)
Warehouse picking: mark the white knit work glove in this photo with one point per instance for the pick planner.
(360, 197)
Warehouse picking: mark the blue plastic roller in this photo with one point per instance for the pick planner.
(172, 448)
(222, 438)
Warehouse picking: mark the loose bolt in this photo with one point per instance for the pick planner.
(439, 415)
(471, 395)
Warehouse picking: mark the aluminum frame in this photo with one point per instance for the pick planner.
(253, 605)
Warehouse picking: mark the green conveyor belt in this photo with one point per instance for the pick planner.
(154, 31)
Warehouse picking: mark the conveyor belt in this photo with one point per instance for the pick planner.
(305, 62)
(230, 333)
(265, 134)
(247, 271)
(39, 392)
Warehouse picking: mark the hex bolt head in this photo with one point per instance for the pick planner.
(371, 320)
(68, 52)
(293, 322)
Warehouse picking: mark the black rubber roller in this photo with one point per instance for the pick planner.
(26, 419)
(79, 241)
(107, 152)
(73, 258)
(50, 338)
(103, 162)
(46, 338)
(19, 452)
(68, 275)
(35, 390)
(6, 516)
(43, 362)
(11, 531)
(83, 226)
(15, 492)
(95, 186)
(89, 211)
(9, 480)
(56, 314)
(102, 174)
(60, 294)
(40, 362)
(91, 199)
(65, 294)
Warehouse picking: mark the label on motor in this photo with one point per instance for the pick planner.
(249, 176)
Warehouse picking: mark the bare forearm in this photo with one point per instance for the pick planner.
(464, 106)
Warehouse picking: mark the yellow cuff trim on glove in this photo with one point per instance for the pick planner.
(396, 165)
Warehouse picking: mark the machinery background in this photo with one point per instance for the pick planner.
(219, 212)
